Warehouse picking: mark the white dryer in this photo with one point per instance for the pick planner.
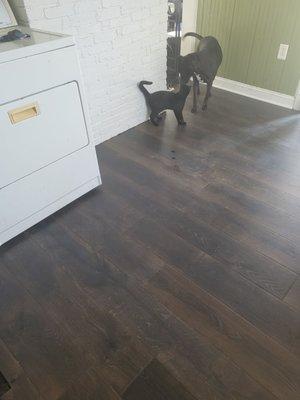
(47, 155)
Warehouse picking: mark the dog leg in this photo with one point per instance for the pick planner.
(198, 88)
(196, 81)
(195, 86)
(179, 117)
(207, 96)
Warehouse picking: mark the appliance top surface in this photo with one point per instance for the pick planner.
(38, 39)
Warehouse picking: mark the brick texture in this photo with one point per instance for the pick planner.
(120, 42)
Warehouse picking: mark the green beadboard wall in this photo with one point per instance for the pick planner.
(250, 32)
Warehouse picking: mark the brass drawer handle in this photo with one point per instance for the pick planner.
(21, 114)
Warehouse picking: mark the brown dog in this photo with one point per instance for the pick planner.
(204, 63)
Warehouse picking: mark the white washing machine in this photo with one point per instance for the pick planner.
(47, 155)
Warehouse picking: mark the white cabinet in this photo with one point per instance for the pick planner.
(47, 156)
(39, 130)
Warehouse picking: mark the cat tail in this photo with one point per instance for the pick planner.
(143, 89)
(193, 34)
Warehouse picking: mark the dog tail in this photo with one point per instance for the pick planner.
(193, 34)
(143, 89)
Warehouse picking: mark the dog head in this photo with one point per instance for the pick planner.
(184, 69)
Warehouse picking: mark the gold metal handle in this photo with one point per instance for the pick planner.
(23, 113)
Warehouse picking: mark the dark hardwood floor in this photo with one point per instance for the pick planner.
(179, 279)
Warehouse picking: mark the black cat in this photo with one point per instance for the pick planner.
(164, 100)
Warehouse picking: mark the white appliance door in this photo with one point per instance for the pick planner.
(40, 129)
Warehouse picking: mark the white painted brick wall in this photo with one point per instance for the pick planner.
(120, 42)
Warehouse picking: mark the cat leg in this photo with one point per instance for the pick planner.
(179, 117)
(207, 96)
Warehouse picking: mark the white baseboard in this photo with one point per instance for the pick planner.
(297, 103)
(297, 98)
(254, 92)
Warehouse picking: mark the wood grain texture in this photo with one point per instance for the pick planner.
(4, 385)
(156, 382)
(293, 296)
(20, 385)
(179, 278)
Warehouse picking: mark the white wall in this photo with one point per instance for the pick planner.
(189, 24)
(120, 43)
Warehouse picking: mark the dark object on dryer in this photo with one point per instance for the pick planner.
(204, 63)
(13, 35)
(164, 100)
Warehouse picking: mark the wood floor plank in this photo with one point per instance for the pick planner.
(265, 125)
(132, 249)
(278, 220)
(264, 311)
(192, 137)
(4, 385)
(53, 287)
(293, 296)
(234, 161)
(9, 367)
(95, 226)
(260, 270)
(271, 126)
(197, 140)
(240, 226)
(20, 386)
(104, 288)
(152, 178)
(271, 155)
(74, 295)
(184, 371)
(260, 191)
(132, 323)
(36, 342)
(90, 386)
(167, 168)
(156, 382)
(203, 142)
(164, 151)
(22, 389)
(179, 338)
(263, 359)
(275, 219)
